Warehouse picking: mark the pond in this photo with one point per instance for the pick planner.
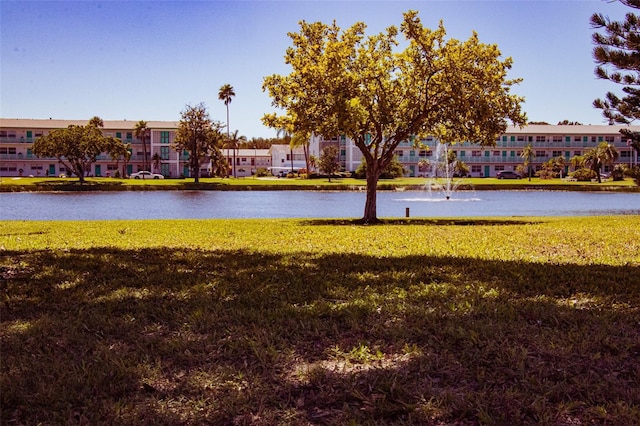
(306, 204)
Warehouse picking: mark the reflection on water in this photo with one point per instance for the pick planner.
(307, 204)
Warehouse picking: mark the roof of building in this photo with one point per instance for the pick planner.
(37, 123)
(286, 149)
(581, 129)
(250, 152)
(534, 129)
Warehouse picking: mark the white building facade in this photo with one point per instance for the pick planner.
(547, 141)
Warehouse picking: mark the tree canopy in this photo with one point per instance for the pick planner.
(328, 163)
(78, 147)
(198, 135)
(343, 83)
(617, 55)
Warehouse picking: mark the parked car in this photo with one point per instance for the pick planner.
(508, 174)
(145, 175)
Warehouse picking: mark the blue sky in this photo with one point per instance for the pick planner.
(146, 60)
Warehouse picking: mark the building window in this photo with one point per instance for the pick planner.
(577, 139)
(557, 154)
(164, 137)
(540, 154)
(499, 168)
(577, 153)
(520, 138)
(496, 153)
(164, 152)
(557, 139)
(476, 168)
(609, 139)
(476, 153)
(129, 136)
(541, 139)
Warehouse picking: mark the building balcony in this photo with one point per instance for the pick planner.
(16, 140)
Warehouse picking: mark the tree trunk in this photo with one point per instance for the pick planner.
(144, 153)
(306, 158)
(291, 152)
(370, 205)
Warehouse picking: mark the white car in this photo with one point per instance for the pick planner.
(145, 175)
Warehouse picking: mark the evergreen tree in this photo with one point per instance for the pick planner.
(617, 54)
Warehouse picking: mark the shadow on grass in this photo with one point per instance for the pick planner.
(425, 222)
(233, 337)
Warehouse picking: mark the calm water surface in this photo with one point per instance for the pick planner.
(306, 204)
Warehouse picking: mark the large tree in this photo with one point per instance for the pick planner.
(617, 55)
(343, 83)
(78, 147)
(198, 135)
(141, 132)
(226, 94)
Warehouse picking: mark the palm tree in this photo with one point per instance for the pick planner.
(603, 154)
(304, 141)
(233, 141)
(127, 158)
(527, 154)
(286, 134)
(141, 131)
(226, 94)
(577, 162)
(96, 122)
(156, 161)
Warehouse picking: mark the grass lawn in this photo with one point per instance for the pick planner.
(49, 184)
(438, 321)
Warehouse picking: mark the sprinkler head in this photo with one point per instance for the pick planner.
(448, 197)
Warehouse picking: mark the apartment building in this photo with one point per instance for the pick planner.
(548, 141)
(248, 161)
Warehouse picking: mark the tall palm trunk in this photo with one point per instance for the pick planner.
(145, 163)
(291, 151)
(305, 147)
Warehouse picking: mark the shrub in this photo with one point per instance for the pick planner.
(261, 172)
(545, 174)
(584, 175)
(393, 170)
(618, 172)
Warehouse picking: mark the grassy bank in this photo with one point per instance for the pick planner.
(112, 184)
(479, 321)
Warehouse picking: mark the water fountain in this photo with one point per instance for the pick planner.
(441, 177)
